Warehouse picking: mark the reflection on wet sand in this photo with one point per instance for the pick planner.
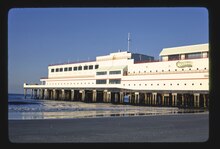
(66, 110)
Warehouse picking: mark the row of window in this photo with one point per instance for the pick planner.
(111, 81)
(110, 72)
(76, 68)
(163, 84)
(187, 56)
(169, 70)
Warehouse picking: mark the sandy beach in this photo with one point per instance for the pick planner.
(186, 127)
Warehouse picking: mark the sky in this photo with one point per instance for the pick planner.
(38, 37)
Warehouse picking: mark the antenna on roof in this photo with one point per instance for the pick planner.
(129, 39)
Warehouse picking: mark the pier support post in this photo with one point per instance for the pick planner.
(204, 99)
(196, 100)
(63, 94)
(163, 103)
(105, 95)
(32, 93)
(45, 94)
(35, 93)
(145, 98)
(25, 93)
(83, 95)
(174, 99)
(94, 94)
(182, 101)
(72, 95)
(154, 98)
(54, 95)
(108, 96)
(136, 98)
(121, 97)
(116, 97)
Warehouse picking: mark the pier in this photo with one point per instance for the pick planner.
(116, 96)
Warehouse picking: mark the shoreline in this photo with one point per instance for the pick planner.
(160, 128)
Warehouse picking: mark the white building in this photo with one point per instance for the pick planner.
(181, 78)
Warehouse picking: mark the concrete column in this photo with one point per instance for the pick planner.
(94, 94)
(83, 94)
(32, 93)
(25, 93)
(204, 99)
(136, 98)
(150, 98)
(196, 100)
(154, 98)
(145, 98)
(40, 93)
(72, 95)
(54, 95)
(108, 96)
(35, 93)
(63, 94)
(121, 97)
(45, 94)
(174, 99)
(163, 103)
(116, 97)
(130, 96)
(182, 102)
(105, 95)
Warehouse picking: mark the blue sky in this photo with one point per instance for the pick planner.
(38, 37)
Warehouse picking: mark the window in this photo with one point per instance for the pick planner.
(52, 70)
(70, 68)
(61, 69)
(173, 57)
(193, 55)
(85, 67)
(75, 68)
(100, 81)
(114, 81)
(101, 73)
(90, 66)
(80, 68)
(115, 72)
(96, 66)
(65, 69)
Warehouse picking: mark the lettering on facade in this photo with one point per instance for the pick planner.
(184, 64)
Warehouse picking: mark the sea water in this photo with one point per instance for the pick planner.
(21, 108)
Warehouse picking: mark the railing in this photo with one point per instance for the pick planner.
(71, 62)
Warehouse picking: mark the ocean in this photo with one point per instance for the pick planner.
(23, 109)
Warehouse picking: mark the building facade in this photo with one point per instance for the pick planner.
(180, 78)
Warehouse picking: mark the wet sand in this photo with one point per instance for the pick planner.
(188, 127)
